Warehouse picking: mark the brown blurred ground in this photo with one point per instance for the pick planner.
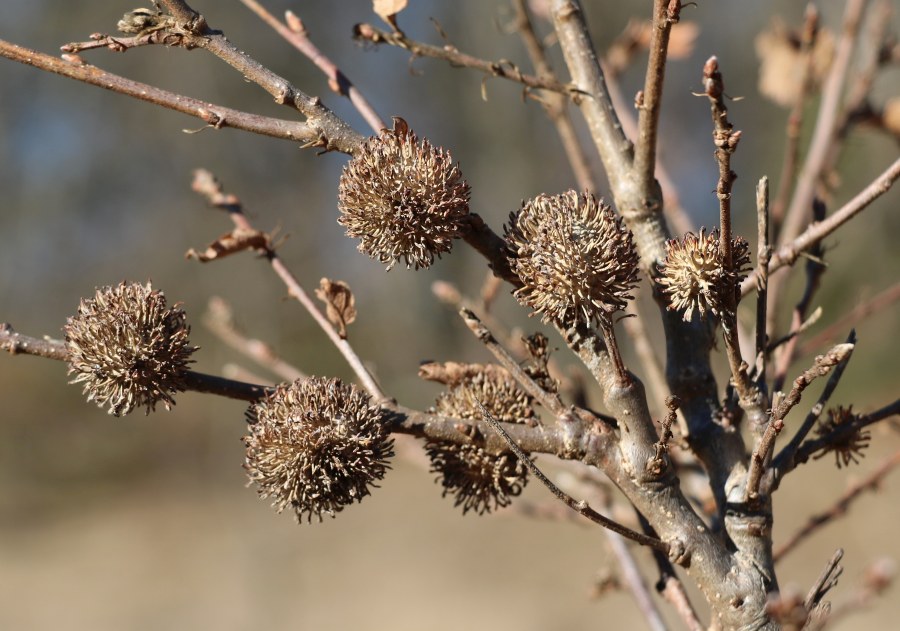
(143, 523)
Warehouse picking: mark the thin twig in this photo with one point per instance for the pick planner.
(785, 460)
(832, 91)
(549, 400)
(821, 367)
(789, 252)
(215, 116)
(840, 507)
(294, 32)
(827, 580)
(665, 14)
(555, 104)
(795, 118)
(219, 319)
(853, 318)
(815, 268)
(580, 507)
(631, 576)
(556, 441)
(726, 139)
(669, 586)
(333, 133)
(503, 69)
(206, 184)
(794, 332)
(764, 251)
(16, 343)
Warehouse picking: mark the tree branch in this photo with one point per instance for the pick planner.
(665, 14)
(216, 116)
(295, 33)
(789, 252)
(840, 507)
(206, 184)
(503, 69)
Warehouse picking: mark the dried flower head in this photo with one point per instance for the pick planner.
(403, 199)
(128, 349)
(694, 275)
(479, 480)
(847, 446)
(574, 256)
(316, 445)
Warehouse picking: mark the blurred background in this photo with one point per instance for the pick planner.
(144, 522)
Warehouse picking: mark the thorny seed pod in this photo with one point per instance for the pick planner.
(128, 349)
(574, 256)
(694, 275)
(403, 199)
(316, 445)
(849, 447)
(479, 480)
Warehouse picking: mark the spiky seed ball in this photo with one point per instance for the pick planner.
(850, 447)
(316, 445)
(403, 199)
(574, 256)
(479, 480)
(694, 275)
(128, 349)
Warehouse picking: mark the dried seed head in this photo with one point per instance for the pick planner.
(850, 445)
(128, 349)
(694, 275)
(574, 256)
(403, 199)
(479, 480)
(316, 445)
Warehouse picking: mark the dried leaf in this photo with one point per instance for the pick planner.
(340, 305)
(891, 116)
(783, 62)
(387, 9)
(454, 373)
(235, 241)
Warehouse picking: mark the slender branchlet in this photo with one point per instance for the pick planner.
(579, 506)
(821, 367)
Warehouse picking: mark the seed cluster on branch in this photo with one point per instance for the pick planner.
(575, 257)
(316, 445)
(403, 199)
(128, 349)
(479, 480)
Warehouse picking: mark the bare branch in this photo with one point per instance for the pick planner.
(762, 276)
(821, 367)
(555, 104)
(665, 14)
(801, 204)
(295, 33)
(206, 184)
(863, 310)
(213, 115)
(580, 507)
(549, 400)
(789, 252)
(785, 461)
(332, 132)
(840, 507)
(503, 69)
(219, 319)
